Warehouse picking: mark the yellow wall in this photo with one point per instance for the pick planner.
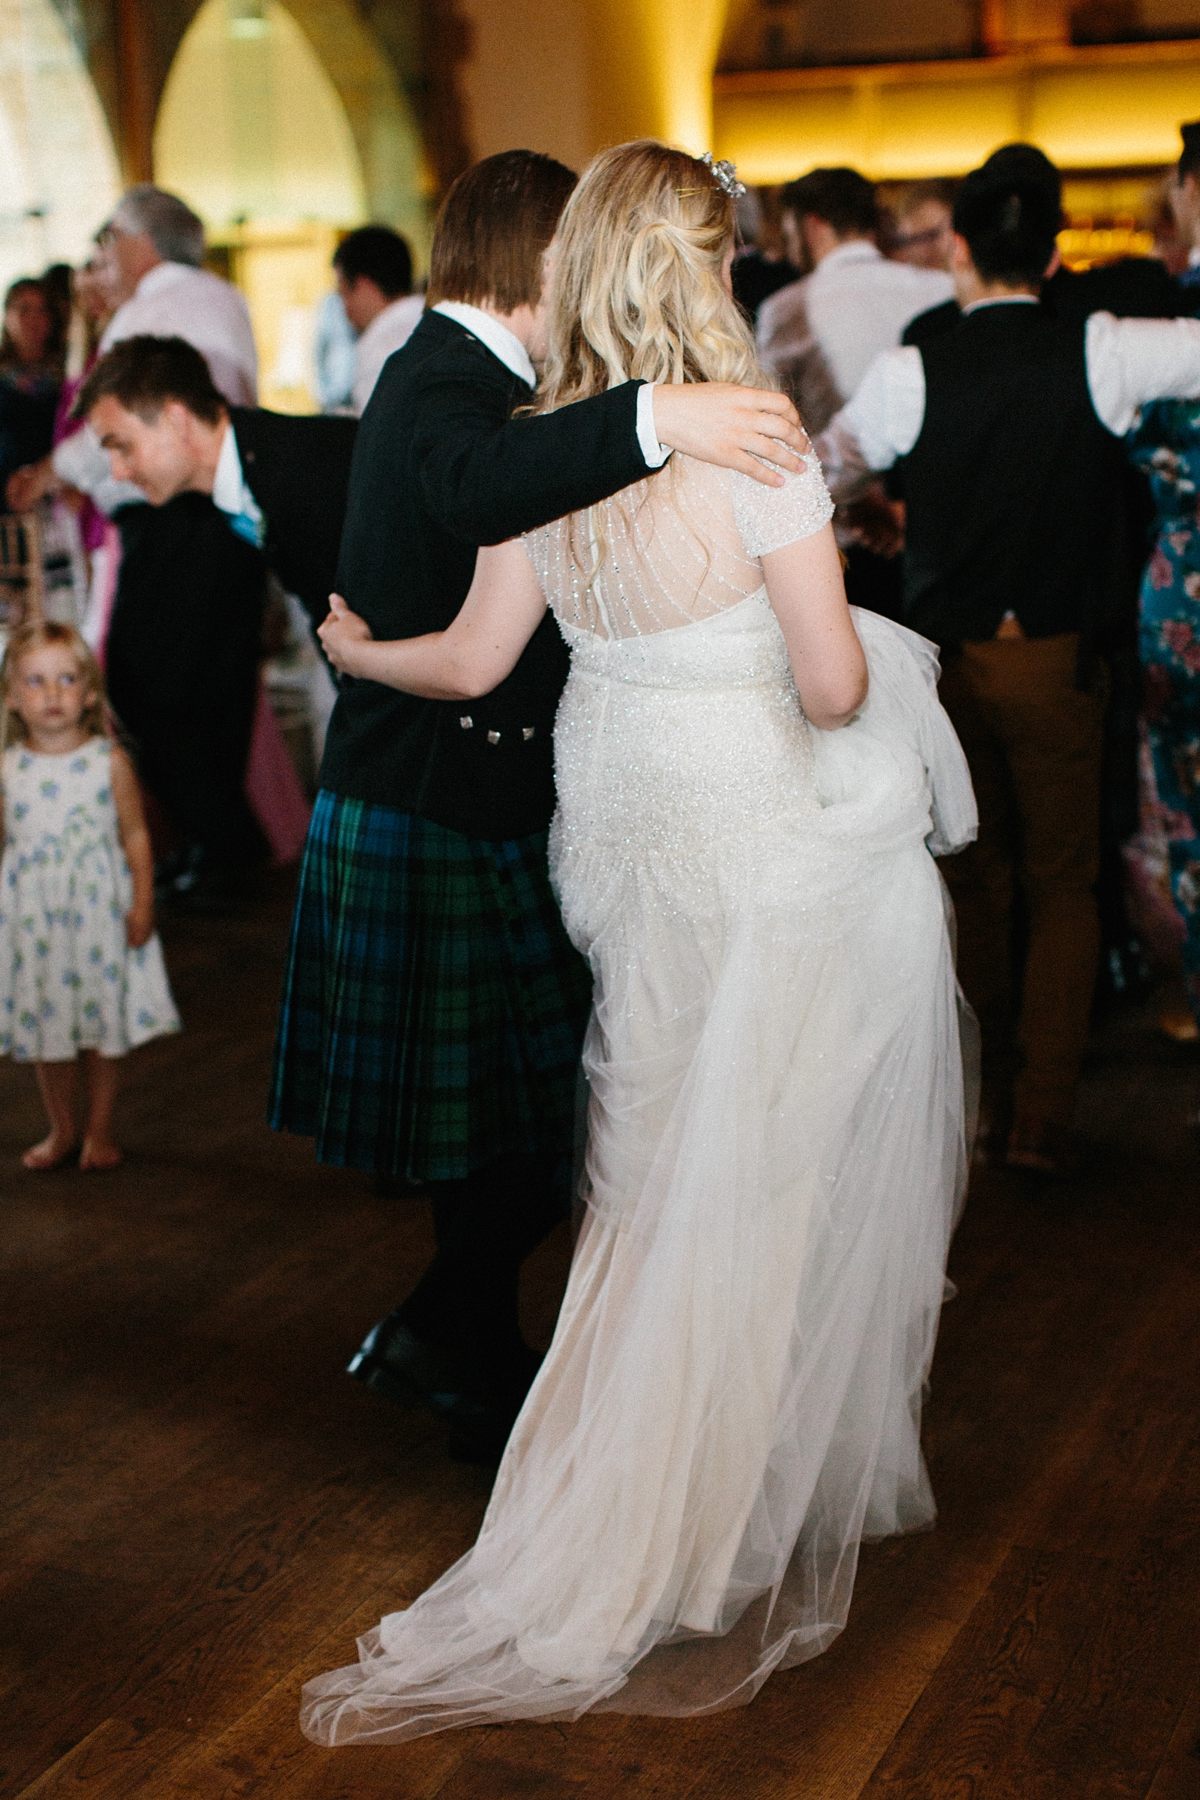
(1096, 108)
(652, 70)
(569, 76)
(526, 84)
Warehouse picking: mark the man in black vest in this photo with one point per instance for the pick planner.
(231, 485)
(434, 1009)
(1134, 287)
(1011, 428)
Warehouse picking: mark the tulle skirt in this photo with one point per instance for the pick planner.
(777, 1132)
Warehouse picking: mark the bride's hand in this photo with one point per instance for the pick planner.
(719, 422)
(341, 632)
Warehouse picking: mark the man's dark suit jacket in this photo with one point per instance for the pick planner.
(298, 470)
(439, 468)
(182, 665)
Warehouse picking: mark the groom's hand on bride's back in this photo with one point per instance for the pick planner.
(719, 422)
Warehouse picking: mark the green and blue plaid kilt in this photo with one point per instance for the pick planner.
(433, 1007)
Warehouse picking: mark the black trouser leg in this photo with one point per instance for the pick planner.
(485, 1226)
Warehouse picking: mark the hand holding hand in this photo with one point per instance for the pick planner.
(878, 522)
(341, 632)
(734, 427)
(139, 926)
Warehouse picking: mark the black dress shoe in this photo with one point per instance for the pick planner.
(395, 1362)
(397, 1187)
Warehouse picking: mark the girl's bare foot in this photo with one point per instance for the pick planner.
(100, 1153)
(50, 1153)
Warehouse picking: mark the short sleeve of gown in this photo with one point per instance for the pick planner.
(539, 550)
(768, 518)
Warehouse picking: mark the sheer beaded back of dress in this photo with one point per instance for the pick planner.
(669, 551)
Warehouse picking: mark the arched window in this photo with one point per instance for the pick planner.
(268, 116)
(58, 171)
(251, 128)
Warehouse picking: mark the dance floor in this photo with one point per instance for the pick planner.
(202, 1510)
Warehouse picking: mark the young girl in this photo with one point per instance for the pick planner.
(80, 966)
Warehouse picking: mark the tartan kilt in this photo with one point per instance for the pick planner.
(433, 1006)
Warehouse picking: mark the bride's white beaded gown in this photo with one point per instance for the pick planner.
(776, 1148)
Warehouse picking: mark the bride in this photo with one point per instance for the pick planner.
(751, 781)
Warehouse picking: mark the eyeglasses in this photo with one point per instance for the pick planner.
(920, 237)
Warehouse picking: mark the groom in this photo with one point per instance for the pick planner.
(433, 1008)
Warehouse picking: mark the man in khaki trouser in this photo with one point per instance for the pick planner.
(1033, 741)
(1011, 425)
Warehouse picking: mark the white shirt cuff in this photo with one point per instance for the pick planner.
(652, 451)
(887, 410)
(1131, 362)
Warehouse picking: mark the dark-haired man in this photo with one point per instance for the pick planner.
(374, 277)
(1011, 425)
(820, 335)
(227, 484)
(1132, 287)
(434, 1007)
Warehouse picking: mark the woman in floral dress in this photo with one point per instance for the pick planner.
(1166, 445)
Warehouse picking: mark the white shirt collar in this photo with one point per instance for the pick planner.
(503, 343)
(857, 250)
(1002, 300)
(1193, 261)
(401, 307)
(162, 275)
(230, 492)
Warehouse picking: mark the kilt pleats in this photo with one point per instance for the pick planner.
(433, 1007)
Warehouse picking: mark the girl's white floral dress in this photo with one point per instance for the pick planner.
(68, 979)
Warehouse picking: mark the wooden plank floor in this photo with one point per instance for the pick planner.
(200, 1510)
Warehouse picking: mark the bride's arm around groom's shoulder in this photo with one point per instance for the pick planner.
(472, 656)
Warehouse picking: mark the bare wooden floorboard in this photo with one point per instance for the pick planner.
(200, 1510)
(1178, 1776)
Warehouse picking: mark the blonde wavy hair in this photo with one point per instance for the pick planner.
(94, 718)
(636, 289)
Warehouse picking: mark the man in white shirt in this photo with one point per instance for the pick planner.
(819, 336)
(177, 571)
(154, 248)
(374, 275)
(1011, 427)
(156, 244)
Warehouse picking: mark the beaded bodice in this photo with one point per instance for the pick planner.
(680, 734)
(673, 551)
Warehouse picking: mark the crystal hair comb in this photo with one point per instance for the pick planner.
(725, 176)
